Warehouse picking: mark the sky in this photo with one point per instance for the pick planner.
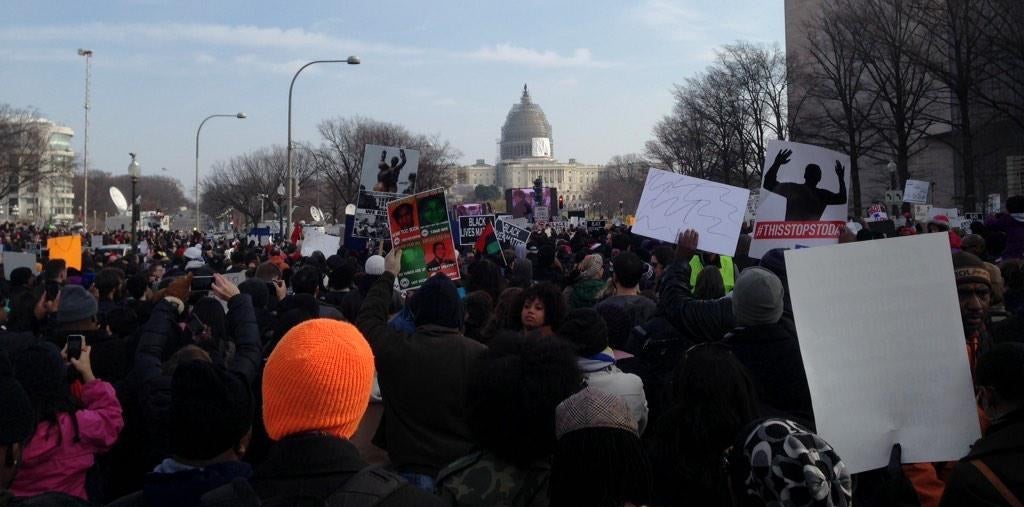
(602, 70)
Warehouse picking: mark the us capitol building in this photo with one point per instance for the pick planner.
(526, 152)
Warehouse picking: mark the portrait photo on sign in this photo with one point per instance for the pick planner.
(439, 252)
(403, 216)
(388, 169)
(432, 210)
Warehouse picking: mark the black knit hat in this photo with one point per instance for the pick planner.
(437, 302)
(258, 291)
(586, 329)
(211, 410)
(76, 304)
(16, 418)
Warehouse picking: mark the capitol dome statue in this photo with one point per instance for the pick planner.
(526, 133)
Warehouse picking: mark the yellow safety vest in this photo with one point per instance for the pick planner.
(728, 272)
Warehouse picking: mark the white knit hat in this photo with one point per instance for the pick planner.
(375, 265)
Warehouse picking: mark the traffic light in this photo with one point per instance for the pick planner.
(538, 191)
(561, 202)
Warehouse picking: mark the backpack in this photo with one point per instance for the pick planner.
(366, 488)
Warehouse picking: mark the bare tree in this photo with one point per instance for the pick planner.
(238, 183)
(888, 38)
(24, 142)
(837, 88)
(158, 192)
(1005, 92)
(622, 180)
(723, 118)
(960, 55)
(344, 139)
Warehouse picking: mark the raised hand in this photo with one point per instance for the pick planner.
(686, 245)
(782, 158)
(224, 288)
(839, 169)
(393, 261)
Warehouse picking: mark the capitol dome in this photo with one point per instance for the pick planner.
(526, 133)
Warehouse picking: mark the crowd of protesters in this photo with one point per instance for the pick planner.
(585, 368)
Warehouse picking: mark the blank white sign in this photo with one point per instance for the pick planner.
(884, 349)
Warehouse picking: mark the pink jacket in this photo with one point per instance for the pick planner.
(54, 461)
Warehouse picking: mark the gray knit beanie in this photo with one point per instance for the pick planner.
(757, 297)
(76, 304)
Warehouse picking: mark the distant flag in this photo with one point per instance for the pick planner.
(487, 244)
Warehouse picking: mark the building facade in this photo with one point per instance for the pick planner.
(526, 152)
(45, 194)
(996, 146)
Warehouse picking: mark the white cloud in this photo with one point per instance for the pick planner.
(671, 19)
(508, 53)
(245, 36)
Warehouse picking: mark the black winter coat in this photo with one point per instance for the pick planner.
(154, 388)
(317, 465)
(771, 354)
(1002, 450)
(699, 320)
(423, 377)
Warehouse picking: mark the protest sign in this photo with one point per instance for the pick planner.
(96, 241)
(540, 214)
(68, 248)
(596, 226)
(379, 184)
(471, 227)
(884, 368)
(318, 242)
(993, 204)
(384, 166)
(421, 229)
(752, 201)
(803, 197)
(884, 226)
(921, 212)
(510, 234)
(15, 260)
(472, 209)
(673, 202)
(916, 192)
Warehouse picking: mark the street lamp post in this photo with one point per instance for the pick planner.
(87, 53)
(352, 60)
(134, 170)
(891, 166)
(240, 116)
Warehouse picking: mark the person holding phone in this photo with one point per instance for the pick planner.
(69, 432)
(151, 375)
(78, 314)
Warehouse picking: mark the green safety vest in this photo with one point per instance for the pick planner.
(728, 272)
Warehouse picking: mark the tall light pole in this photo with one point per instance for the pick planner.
(134, 170)
(240, 116)
(891, 166)
(352, 60)
(87, 53)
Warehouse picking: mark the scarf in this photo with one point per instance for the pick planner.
(597, 362)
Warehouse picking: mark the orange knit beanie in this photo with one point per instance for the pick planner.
(318, 378)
